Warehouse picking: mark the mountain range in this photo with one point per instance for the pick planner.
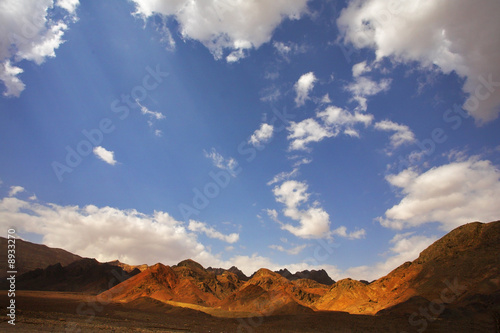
(456, 275)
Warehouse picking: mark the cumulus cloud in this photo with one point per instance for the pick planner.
(305, 132)
(15, 190)
(332, 121)
(197, 226)
(452, 195)
(453, 35)
(105, 155)
(262, 135)
(303, 87)
(402, 135)
(28, 32)
(8, 74)
(228, 164)
(343, 120)
(314, 222)
(107, 233)
(222, 25)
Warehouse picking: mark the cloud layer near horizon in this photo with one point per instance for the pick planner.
(91, 231)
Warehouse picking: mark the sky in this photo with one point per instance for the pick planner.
(338, 135)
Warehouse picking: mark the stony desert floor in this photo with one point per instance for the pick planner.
(77, 312)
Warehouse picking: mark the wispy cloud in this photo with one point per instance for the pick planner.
(15, 190)
(292, 251)
(402, 135)
(219, 161)
(197, 226)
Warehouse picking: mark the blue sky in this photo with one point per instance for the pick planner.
(345, 135)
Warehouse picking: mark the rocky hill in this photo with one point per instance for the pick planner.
(84, 275)
(463, 263)
(30, 256)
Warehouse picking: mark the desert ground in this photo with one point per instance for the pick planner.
(40, 311)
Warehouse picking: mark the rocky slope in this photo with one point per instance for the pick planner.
(84, 275)
(30, 256)
(463, 263)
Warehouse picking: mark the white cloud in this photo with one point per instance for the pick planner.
(406, 248)
(29, 32)
(105, 155)
(292, 251)
(196, 226)
(303, 87)
(402, 135)
(334, 120)
(452, 195)
(363, 87)
(435, 33)
(360, 68)
(342, 232)
(314, 222)
(228, 164)
(8, 74)
(15, 190)
(220, 25)
(69, 5)
(262, 135)
(107, 233)
(343, 119)
(305, 132)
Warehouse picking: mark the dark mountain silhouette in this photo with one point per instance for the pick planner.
(84, 275)
(233, 269)
(320, 276)
(30, 256)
